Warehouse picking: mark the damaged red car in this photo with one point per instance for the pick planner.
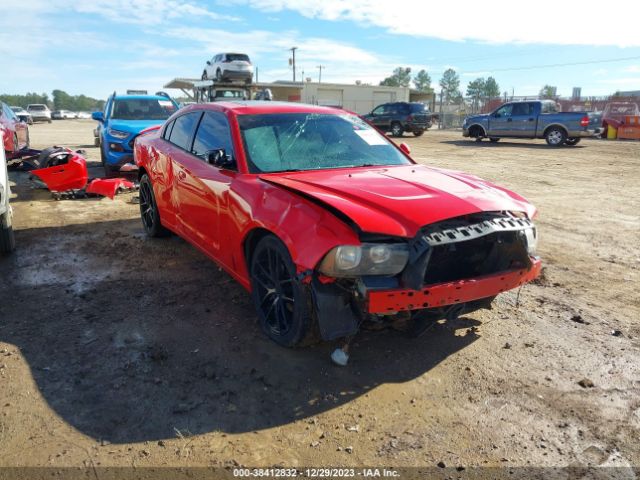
(327, 223)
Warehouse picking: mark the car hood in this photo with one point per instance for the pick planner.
(476, 118)
(133, 126)
(400, 200)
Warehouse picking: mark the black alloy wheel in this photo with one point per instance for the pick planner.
(149, 210)
(281, 301)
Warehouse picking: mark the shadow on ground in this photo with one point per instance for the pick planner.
(503, 144)
(130, 339)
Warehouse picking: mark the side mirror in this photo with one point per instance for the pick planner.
(405, 148)
(209, 62)
(219, 158)
(98, 116)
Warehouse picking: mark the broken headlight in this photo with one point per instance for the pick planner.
(531, 236)
(365, 259)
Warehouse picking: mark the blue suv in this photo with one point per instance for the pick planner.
(122, 120)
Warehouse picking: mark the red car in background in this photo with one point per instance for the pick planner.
(16, 132)
(327, 223)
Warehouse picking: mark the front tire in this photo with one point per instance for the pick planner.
(494, 140)
(572, 141)
(7, 239)
(396, 129)
(418, 133)
(282, 302)
(218, 75)
(204, 75)
(555, 136)
(149, 210)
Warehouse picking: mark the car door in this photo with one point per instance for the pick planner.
(500, 121)
(523, 118)
(380, 117)
(203, 189)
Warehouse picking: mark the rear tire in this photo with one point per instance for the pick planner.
(572, 141)
(494, 140)
(204, 75)
(555, 136)
(218, 75)
(396, 129)
(282, 303)
(149, 210)
(418, 133)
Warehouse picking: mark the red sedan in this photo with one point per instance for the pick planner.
(16, 133)
(327, 223)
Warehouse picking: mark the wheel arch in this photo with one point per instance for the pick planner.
(555, 125)
(476, 126)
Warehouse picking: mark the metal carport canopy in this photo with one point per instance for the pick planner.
(185, 84)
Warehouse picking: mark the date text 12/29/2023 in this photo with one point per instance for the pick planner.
(319, 472)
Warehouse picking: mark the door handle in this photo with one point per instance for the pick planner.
(181, 175)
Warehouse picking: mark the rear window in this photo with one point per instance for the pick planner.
(419, 108)
(232, 57)
(182, 130)
(37, 108)
(142, 109)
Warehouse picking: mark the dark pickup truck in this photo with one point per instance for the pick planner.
(530, 119)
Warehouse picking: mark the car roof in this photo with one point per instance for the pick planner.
(141, 97)
(256, 107)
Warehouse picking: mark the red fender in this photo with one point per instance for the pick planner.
(108, 187)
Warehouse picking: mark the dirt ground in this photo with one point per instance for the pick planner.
(116, 349)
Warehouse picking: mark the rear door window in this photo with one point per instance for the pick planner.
(213, 133)
(167, 130)
(182, 131)
(522, 109)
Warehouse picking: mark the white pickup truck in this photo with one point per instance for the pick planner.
(7, 240)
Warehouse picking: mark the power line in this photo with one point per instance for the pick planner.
(551, 65)
(570, 64)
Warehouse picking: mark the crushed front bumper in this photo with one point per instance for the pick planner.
(450, 293)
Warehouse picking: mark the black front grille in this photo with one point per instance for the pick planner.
(486, 255)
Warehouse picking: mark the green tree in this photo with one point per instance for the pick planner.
(422, 81)
(475, 91)
(62, 100)
(450, 83)
(548, 92)
(476, 88)
(401, 77)
(491, 88)
(24, 100)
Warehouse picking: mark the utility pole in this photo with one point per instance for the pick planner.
(440, 116)
(320, 67)
(293, 61)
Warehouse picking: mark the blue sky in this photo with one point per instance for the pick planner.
(98, 46)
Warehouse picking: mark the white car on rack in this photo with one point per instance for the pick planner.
(229, 66)
(7, 240)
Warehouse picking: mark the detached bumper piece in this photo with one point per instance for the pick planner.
(450, 293)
